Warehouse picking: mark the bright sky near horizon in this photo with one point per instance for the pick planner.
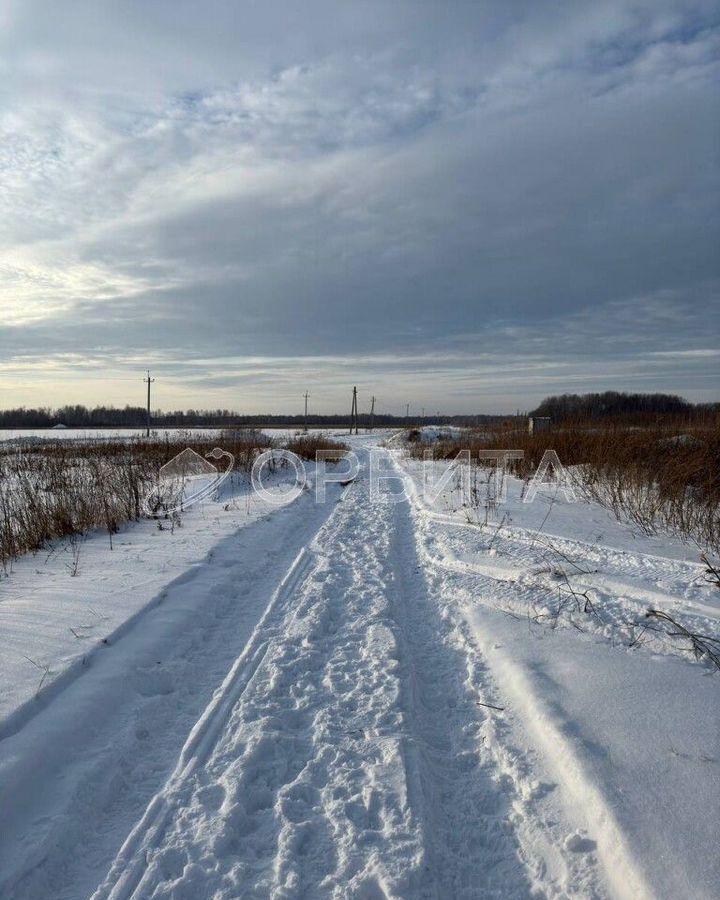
(462, 205)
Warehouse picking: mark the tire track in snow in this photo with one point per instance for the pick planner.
(126, 874)
(350, 752)
(537, 832)
(515, 542)
(495, 828)
(78, 776)
(523, 565)
(620, 607)
(618, 573)
(464, 802)
(524, 538)
(634, 575)
(304, 792)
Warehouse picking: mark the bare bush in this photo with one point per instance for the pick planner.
(308, 445)
(59, 489)
(702, 646)
(712, 570)
(663, 477)
(66, 492)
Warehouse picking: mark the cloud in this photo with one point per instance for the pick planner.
(377, 189)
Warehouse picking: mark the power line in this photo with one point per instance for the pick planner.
(354, 413)
(306, 395)
(149, 381)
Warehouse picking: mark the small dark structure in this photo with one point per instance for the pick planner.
(538, 423)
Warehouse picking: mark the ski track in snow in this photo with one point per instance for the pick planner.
(363, 738)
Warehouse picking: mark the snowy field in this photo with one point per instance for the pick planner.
(90, 434)
(360, 698)
(97, 434)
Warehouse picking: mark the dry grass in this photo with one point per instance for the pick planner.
(62, 489)
(666, 476)
(307, 446)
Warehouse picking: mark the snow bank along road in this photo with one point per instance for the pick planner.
(334, 705)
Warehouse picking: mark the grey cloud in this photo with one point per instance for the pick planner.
(412, 183)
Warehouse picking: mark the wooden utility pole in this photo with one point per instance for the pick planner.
(354, 413)
(148, 381)
(372, 413)
(407, 415)
(306, 395)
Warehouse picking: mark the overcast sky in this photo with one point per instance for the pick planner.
(462, 204)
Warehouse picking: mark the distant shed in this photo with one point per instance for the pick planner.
(538, 423)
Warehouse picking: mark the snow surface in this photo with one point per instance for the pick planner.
(89, 434)
(92, 434)
(358, 699)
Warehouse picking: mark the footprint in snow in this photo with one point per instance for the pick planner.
(579, 843)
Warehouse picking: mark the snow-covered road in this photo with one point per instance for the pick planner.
(343, 756)
(342, 702)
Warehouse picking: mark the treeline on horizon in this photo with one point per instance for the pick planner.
(563, 408)
(620, 406)
(79, 416)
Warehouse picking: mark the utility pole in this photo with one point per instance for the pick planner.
(407, 414)
(148, 381)
(372, 413)
(354, 413)
(306, 395)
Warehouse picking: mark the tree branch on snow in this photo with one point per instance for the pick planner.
(44, 669)
(712, 572)
(701, 645)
